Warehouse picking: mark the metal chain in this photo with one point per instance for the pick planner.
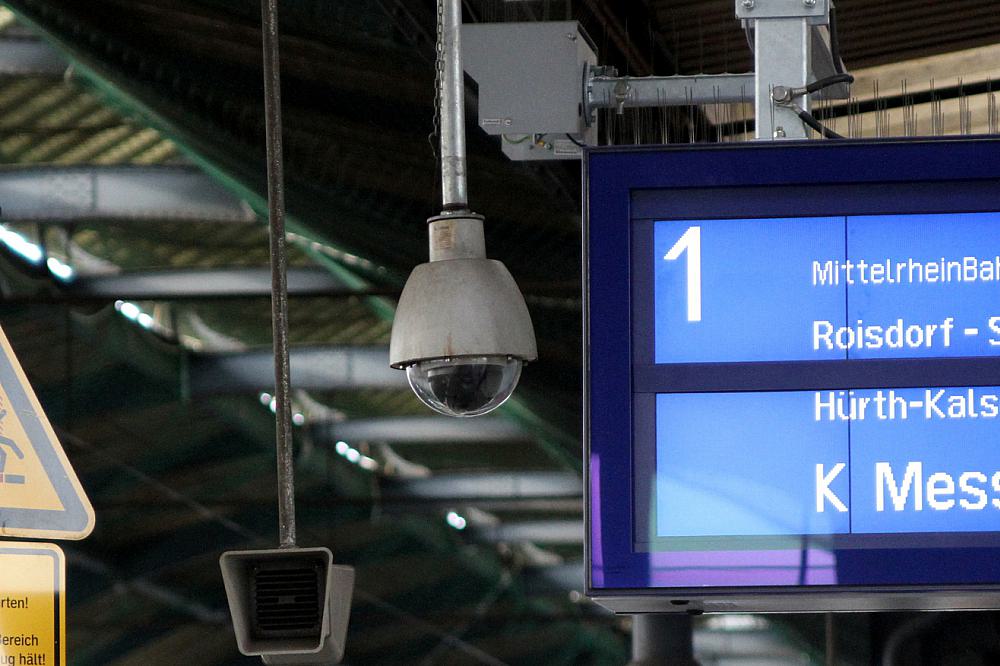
(433, 137)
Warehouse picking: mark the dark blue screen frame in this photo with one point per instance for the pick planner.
(627, 189)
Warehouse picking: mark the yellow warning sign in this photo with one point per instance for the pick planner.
(32, 605)
(40, 496)
(18, 466)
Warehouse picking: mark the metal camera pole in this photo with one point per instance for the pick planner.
(447, 334)
(454, 188)
(279, 278)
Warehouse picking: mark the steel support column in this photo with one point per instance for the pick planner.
(782, 59)
(783, 47)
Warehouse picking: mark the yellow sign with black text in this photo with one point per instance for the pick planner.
(32, 605)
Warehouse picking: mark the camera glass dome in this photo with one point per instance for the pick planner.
(464, 385)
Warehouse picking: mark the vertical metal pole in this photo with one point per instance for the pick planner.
(279, 278)
(454, 194)
(782, 57)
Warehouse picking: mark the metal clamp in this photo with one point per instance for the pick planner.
(785, 95)
(814, 10)
(622, 89)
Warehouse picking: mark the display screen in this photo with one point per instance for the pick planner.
(794, 383)
(827, 288)
(828, 462)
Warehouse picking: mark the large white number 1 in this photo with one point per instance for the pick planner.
(691, 243)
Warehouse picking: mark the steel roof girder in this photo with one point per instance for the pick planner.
(474, 486)
(118, 193)
(185, 283)
(326, 368)
(417, 429)
(541, 532)
(27, 56)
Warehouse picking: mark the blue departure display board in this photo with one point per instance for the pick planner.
(794, 384)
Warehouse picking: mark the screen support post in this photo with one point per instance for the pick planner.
(782, 32)
(782, 58)
(783, 35)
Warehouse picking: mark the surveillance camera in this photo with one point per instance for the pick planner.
(462, 331)
(466, 385)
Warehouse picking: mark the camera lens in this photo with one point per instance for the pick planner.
(464, 386)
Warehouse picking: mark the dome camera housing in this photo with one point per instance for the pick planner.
(464, 385)
(462, 331)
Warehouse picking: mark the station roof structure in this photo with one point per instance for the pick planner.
(134, 281)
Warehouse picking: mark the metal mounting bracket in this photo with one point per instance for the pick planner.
(532, 94)
(606, 90)
(817, 11)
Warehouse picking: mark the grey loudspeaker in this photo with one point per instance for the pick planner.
(290, 605)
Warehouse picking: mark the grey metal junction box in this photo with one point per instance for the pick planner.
(531, 82)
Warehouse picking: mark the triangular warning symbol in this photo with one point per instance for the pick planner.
(40, 496)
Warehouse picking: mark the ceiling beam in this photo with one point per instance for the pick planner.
(471, 487)
(29, 56)
(117, 193)
(943, 70)
(312, 368)
(541, 532)
(202, 283)
(418, 429)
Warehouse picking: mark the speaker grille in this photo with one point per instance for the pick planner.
(287, 599)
